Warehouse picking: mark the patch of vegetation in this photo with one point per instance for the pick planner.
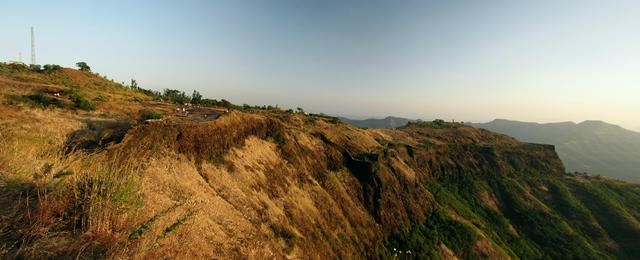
(81, 102)
(61, 174)
(180, 97)
(278, 138)
(147, 114)
(610, 210)
(437, 124)
(423, 239)
(12, 68)
(51, 68)
(174, 227)
(82, 66)
(37, 100)
(568, 219)
(100, 98)
(285, 234)
(426, 145)
(139, 230)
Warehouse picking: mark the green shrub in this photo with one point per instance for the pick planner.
(80, 102)
(13, 67)
(51, 67)
(149, 114)
(14, 100)
(35, 67)
(43, 100)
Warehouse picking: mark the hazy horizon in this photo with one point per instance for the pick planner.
(355, 117)
(543, 61)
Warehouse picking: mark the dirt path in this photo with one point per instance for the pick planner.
(187, 114)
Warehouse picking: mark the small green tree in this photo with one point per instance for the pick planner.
(196, 98)
(175, 96)
(82, 66)
(134, 84)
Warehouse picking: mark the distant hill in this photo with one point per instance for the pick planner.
(591, 146)
(387, 122)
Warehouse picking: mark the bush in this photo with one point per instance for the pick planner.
(39, 100)
(149, 114)
(35, 67)
(13, 67)
(51, 67)
(15, 100)
(44, 101)
(80, 102)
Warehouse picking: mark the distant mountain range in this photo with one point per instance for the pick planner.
(387, 122)
(591, 146)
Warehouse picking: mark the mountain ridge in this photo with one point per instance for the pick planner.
(122, 172)
(589, 146)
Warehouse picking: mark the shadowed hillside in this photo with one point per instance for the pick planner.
(92, 169)
(591, 146)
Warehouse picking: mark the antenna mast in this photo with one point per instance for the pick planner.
(33, 48)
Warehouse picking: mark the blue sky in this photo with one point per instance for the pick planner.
(466, 60)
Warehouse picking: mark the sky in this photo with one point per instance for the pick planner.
(542, 61)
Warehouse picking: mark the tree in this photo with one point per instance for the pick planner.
(196, 97)
(175, 96)
(51, 67)
(83, 66)
(134, 84)
(300, 110)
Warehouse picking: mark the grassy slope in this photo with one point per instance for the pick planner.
(566, 217)
(264, 184)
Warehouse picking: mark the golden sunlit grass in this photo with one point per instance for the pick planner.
(53, 195)
(66, 186)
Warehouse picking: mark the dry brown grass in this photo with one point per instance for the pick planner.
(52, 198)
(68, 188)
(78, 184)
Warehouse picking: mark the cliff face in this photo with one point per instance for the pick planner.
(264, 184)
